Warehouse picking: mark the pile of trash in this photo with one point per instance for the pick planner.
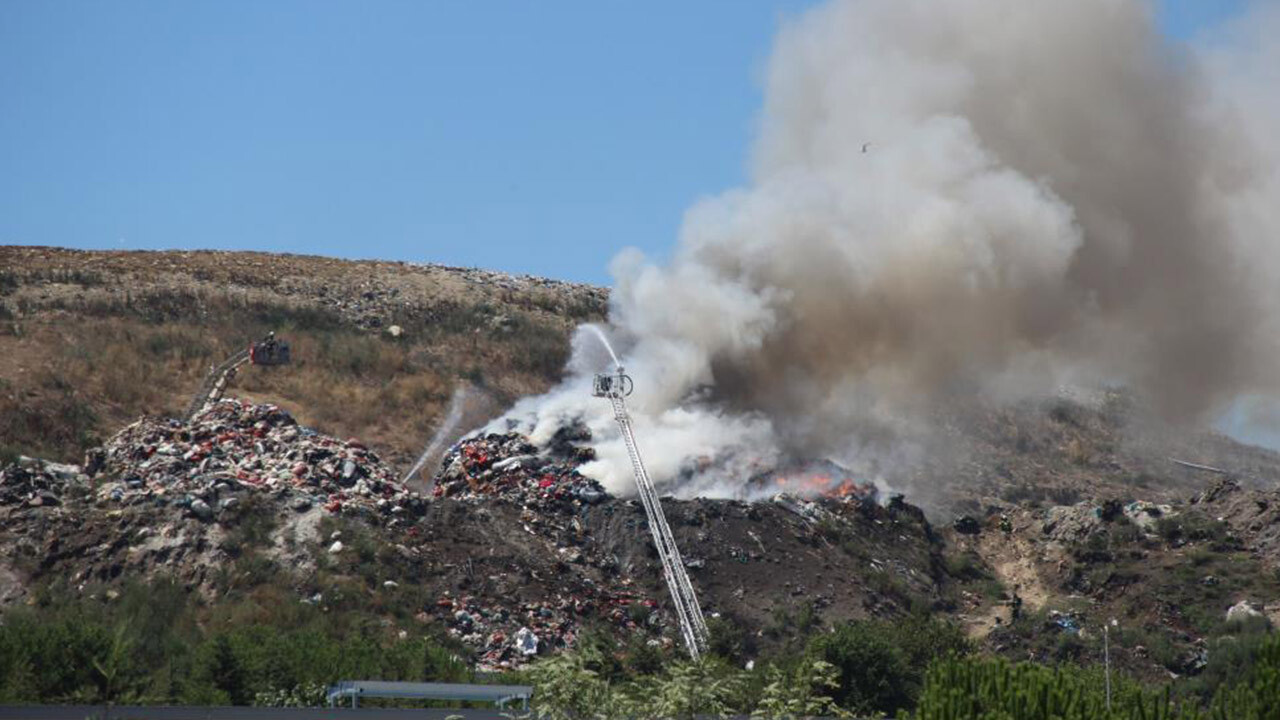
(1074, 523)
(555, 501)
(1069, 622)
(35, 482)
(235, 445)
(508, 466)
(1146, 514)
(508, 638)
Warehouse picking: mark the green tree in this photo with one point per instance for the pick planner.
(803, 692)
(881, 664)
(227, 674)
(874, 672)
(707, 686)
(569, 685)
(117, 678)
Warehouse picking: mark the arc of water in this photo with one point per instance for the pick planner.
(604, 340)
(437, 439)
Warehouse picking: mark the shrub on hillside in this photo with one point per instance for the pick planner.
(881, 664)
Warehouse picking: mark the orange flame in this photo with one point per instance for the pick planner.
(825, 486)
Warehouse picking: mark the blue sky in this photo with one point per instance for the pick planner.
(528, 137)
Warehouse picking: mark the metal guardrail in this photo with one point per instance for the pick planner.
(122, 712)
(499, 695)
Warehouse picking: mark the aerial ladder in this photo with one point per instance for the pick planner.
(693, 627)
(267, 351)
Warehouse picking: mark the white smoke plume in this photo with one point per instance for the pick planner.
(951, 199)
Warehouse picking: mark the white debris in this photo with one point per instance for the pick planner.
(1241, 611)
(526, 642)
(1145, 514)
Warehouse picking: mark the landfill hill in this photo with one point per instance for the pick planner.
(1039, 522)
(514, 554)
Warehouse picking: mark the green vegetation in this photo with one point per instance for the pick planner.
(995, 689)
(155, 643)
(881, 664)
(856, 668)
(1192, 526)
(584, 684)
(574, 685)
(159, 643)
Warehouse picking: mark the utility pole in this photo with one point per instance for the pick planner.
(693, 627)
(1106, 657)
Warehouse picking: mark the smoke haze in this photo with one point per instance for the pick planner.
(950, 200)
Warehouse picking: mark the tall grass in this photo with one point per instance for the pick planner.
(111, 359)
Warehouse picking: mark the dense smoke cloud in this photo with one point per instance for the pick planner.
(971, 198)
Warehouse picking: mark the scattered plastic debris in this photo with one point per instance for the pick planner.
(526, 642)
(1068, 622)
(235, 447)
(510, 467)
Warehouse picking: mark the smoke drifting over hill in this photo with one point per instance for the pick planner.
(972, 198)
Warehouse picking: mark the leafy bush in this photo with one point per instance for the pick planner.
(881, 664)
(965, 566)
(802, 692)
(254, 522)
(729, 639)
(1233, 656)
(1192, 526)
(686, 690)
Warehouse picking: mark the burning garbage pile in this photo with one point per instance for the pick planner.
(234, 446)
(814, 480)
(509, 466)
(825, 486)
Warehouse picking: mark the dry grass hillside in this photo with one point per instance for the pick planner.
(92, 340)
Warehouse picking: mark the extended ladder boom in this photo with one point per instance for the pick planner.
(693, 627)
(267, 351)
(215, 383)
